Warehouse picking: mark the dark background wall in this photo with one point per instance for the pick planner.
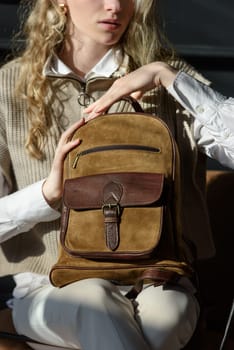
(8, 25)
(200, 30)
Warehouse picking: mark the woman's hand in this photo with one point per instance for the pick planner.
(53, 186)
(135, 84)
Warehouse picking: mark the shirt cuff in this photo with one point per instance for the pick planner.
(35, 206)
(199, 99)
(23, 209)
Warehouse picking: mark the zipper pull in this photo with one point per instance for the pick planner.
(74, 164)
(84, 99)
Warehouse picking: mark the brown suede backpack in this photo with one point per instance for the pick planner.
(121, 203)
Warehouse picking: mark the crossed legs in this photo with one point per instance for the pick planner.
(94, 314)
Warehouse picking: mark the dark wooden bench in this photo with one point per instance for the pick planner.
(6, 325)
(216, 274)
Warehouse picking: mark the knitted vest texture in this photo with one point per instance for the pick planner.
(36, 250)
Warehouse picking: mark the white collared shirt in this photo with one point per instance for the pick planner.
(108, 64)
(214, 117)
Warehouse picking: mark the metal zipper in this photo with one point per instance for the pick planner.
(111, 148)
(84, 99)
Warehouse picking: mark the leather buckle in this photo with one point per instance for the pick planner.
(111, 206)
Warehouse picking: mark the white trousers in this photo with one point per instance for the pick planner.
(94, 314)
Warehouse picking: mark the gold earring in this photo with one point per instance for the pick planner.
(63, 8)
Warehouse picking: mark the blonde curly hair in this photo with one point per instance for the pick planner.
(44, 32)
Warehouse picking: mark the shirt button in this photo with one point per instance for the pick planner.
(200, 109)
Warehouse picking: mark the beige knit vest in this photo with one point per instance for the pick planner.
(36, 250)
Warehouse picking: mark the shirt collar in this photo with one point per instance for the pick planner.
(106, 67)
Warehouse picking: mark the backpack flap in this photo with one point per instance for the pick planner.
(113, 216)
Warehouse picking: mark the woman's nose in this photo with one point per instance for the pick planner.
(113, 5)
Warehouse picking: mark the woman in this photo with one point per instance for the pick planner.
(74, 52)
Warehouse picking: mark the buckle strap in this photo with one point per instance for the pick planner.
(111, 221)
(112, 194)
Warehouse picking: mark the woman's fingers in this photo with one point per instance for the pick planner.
(112, 95)
(65, 143)
(67, 134)
(105, 102)
(53, 185)
(135, 84)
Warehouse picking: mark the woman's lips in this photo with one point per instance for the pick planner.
(109, 24)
